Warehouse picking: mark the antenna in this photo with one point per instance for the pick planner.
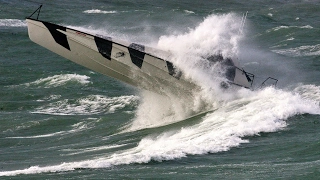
(243, 20)
(39, 8)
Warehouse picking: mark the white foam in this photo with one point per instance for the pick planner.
(92, 104)
(60, 80)
(98, 11)
(12, 23)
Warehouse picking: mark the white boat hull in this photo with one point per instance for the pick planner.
(120, 61)
(129, 63)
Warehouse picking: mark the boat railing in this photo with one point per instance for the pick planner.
(264, 83)
(250, 77)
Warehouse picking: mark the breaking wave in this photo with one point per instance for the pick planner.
(227, 127)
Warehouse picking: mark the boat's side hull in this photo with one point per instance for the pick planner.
(127, 63)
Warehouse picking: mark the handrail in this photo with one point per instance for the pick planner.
(274, 84)
(250, 78)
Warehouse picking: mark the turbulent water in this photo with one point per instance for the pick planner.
(59, 120)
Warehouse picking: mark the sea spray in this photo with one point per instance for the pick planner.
(156, 110)
(217, 34)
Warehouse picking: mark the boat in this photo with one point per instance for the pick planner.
(132, 63)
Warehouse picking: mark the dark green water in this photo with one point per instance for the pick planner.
(59, 120)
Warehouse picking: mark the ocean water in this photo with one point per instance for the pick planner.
(59, 120)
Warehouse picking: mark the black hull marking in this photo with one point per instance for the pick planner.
(104, 47)
(173, 71)
(59, 37)
(136, 54)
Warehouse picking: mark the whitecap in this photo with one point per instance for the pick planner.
(97, 11)
(188, 12)
(12, 23)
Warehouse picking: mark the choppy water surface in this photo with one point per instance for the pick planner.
(60, 120)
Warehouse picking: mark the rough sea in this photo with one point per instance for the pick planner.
(59, 120)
